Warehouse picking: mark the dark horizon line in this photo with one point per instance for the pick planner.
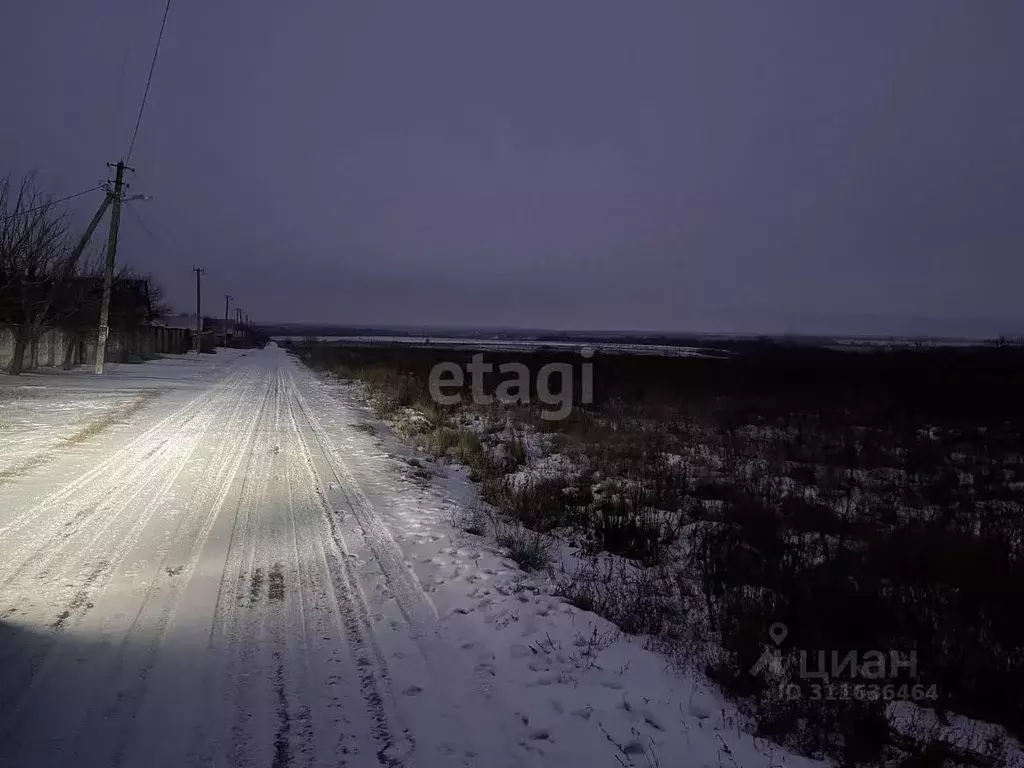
(301, 329)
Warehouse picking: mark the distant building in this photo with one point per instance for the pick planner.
(215, 325)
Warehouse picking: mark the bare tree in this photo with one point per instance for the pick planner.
(159, 307)
(43, 284)
(34, 261)
(135, 302)
(77, 305)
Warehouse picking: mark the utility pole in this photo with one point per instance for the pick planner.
(199, 307)
(227, 302)
(116, 196)
(84, 241)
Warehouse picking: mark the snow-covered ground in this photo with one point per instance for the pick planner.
(232, 573)
(42, 412)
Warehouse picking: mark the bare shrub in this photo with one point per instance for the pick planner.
(531, 550)
(472, 519)
(516, 449)
(540, 503)
(639, 601)
(469, 449)
(868, 502)
(442, 440)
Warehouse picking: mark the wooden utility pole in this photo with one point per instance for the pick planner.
(227, 302)
(84, 241)
(199, 307)
(116, 196)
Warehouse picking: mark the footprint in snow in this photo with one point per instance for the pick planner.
(700, 709)
(635, 747)
(652, 721)
(519, 651)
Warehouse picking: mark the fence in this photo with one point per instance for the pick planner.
(50, 347)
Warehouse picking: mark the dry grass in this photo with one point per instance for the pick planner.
(869, 502)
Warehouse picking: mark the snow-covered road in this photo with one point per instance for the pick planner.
(232, 575)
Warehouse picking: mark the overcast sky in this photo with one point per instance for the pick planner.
(587, 164)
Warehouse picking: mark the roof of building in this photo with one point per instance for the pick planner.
(187, 322)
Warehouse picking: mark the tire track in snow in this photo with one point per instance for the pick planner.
(39, 589)
(304, 635)
(413, 601)
(308, 651)
(38, 662)
(223, 461)
(234, 397)
(119, 462)
(164, 599)
(267, 655)
(480, 723)
(244, 624)
(285, 625)
(107, 490)
(352, 612)
(317, 661)
(173, 454)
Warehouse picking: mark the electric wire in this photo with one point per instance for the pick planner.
(52, 202)
(149, 79)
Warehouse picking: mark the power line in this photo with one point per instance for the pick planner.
(149, 79)
(119, 96)
(167, 243)
(142, 224)
(52, 202)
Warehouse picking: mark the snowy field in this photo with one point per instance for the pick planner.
(236, 572)
(851, 344)
(513, 345)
